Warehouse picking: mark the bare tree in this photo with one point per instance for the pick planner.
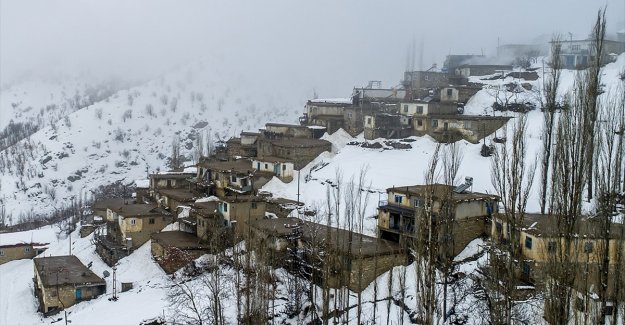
(550, 88)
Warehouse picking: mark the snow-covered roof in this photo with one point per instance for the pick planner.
(40, 236)
(332, 100)
(142, 183)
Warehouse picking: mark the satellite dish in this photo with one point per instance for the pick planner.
(106, 273)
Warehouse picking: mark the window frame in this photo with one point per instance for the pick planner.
(529, 242)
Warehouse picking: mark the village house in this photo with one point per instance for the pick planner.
(169, 180)
(241, 209)
(328, 113)
(453, 61)
(389, 126)
(577, 54)
(355, 260)
(63, 281)
(282, 168)
(208, 218)
(425, 79)
(459, 94)
(540, 243)
(223, 178)
(300, 151)
(243, 146)
(399, 213)
(173, 250)
(469, 70)
(171, 199)
(18, 251)
(142, 190)
(452, 128)
(128, 227)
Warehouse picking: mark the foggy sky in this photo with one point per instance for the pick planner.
(328, 44)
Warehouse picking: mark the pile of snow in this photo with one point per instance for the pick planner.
(44, 235)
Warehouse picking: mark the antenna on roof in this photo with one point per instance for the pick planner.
(468, 182)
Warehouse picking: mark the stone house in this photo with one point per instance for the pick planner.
(399, 213)
(173, 250)
(223, 178)
(377, 94)
(453, 61)
(299, 150)
(244, 146)
(171, 199)
(425, 79)
(280, 167)
(355, 260)
(385, 125)
(17, 251)
(540, 243)
(169, 180)
(128, 227)
(207, 217)
(577, 54)
(238, 211)
(100, 207)
(458, 94)
(328, 113)
(469, 70)
(63, 281)
(142, 190)
(452, 128)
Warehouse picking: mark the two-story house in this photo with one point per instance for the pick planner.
(399, 214)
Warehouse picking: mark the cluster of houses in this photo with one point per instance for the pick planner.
(209, 207)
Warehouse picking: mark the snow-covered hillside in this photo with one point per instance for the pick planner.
(122, 136)
(388, 167)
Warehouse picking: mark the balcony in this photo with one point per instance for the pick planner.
(397, 208)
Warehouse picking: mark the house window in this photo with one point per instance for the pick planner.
(266, 166)
(419, 109)
(283, 168)
(426, 77)
(53, 293)
(526, 269)
(133, 221)
(225, 207)
(608, 310)
(417, 203)
(498, 227)
(368, 121)
(449, 92)
(419, 122)
(398, 199)
(233, 178)
(575, 47)
(253, 205)
(26, 249)
(588, 247)
(1, 252)
(528, 242)
(405, 108)
(169, 183)
(579, 304)
(349, 114)
(151, 221)
(467, 124)
(434, 123)
(551, 247)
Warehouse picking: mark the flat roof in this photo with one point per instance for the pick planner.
(62, 270)
(139, 210)
(179, 194)
(545, 225)
(300, 142)
(271, 159)
(178, 239)
(237, 166)
(241, 198)
(462, 117)
(339, 239)
(440, 190)
(286, 125)
(173, 175)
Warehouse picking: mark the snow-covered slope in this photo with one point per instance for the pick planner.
(122, 136)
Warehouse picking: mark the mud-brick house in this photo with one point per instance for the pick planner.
(458, 94)
(469, 70)
(19, 250)
(541, 244)
(282, 168)
(300, 151)
(128, 227)
(240, 210)
(171, 199)
(243, 146)
(425, 79)
(63, 281)
(100, 207)
(354, 260)
(451, 128)
(208, 218)
(170, 180)
(229, 177)
(401, 212)
(328, 113)
(175, 249)
(389, 126)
